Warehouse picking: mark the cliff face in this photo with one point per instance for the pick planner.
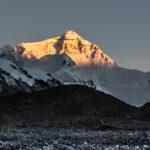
(77, 48)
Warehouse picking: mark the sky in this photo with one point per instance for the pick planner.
(120, 27)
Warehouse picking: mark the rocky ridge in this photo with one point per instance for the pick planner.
(77, 48)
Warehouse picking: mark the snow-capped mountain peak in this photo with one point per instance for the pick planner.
(69, 59)
(71, 35)
(81, 51)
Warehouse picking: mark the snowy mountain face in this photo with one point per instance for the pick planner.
(71, 59)
(70, 43)
(62, 53)
(132, 86)
(14, 78)
(7, 53)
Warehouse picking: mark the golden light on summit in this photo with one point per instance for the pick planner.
(76, 47)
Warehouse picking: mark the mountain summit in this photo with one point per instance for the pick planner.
(71, 35)
(81, 51)
(69, 59)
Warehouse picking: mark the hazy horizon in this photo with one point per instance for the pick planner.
(121, 28)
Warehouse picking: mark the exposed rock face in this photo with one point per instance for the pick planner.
(77, 48)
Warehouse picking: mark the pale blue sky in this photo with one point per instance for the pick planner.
(121, 27)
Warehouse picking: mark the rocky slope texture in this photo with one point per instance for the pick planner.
(78, 49)
(146, 110)
(40, 139)
(70, 106)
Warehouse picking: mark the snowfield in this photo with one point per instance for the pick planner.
(15, 71)
(38, 74)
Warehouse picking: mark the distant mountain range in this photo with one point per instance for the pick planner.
(69, 59)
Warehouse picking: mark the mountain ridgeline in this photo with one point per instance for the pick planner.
(70, 43)
(68, 106)
(69, 59)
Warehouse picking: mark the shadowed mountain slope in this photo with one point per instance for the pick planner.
(69, 106)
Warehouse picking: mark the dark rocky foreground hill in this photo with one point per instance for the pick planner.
(71, 106)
